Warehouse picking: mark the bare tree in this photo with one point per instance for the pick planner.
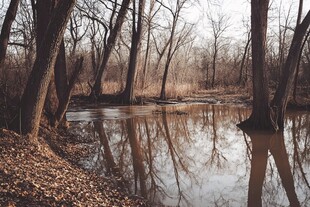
(97, 44)
(75, 24)
(175, 41)
(114, 30)
(282, 38)
(149, 20)
(219, 24)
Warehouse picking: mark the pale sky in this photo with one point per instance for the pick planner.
(239, 10)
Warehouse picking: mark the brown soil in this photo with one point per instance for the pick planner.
(45, 174)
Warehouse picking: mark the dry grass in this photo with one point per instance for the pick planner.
(172, 90)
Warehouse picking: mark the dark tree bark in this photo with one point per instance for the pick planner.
(260, 117)
(128, 93)
(96, 89)
(43, 10)
(32, 101)
(6, 28)
(43, 13)
(59, 81)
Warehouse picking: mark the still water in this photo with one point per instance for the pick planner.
(194, 155)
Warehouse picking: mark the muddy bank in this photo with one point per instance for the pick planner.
(46, 174)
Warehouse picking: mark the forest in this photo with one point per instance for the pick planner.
(61, 56)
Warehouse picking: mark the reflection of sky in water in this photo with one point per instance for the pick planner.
(212, 149)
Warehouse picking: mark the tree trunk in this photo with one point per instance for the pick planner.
(298, 66)
(260, 117)
(36, 89)
(61, 77)
(214, 64)
(43, 10)
(244, 56)
(281, 96)
(147, 60)
(146, 56)
(64, 103)
(128, 94)
(96, 90)
(168, 61)
(59, 81)
(43, 13)
(207, 76)
(165, 76)
(6, 28)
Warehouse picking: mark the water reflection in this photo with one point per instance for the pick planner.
(200, 157)
(261, 144)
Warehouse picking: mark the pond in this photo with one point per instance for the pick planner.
(195, 155)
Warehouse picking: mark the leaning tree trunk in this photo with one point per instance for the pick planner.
(165, 77)
(281, 96)
(60, 72)
(43, 10)
(32, 101)
(168, 61)
(6, 28)
(260, 117)
(241, 79)
(96, 89)
(64, 102)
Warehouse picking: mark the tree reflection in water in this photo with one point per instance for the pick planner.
(201, 158)
(261, 144)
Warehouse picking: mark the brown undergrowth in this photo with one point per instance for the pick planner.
(43, 174)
